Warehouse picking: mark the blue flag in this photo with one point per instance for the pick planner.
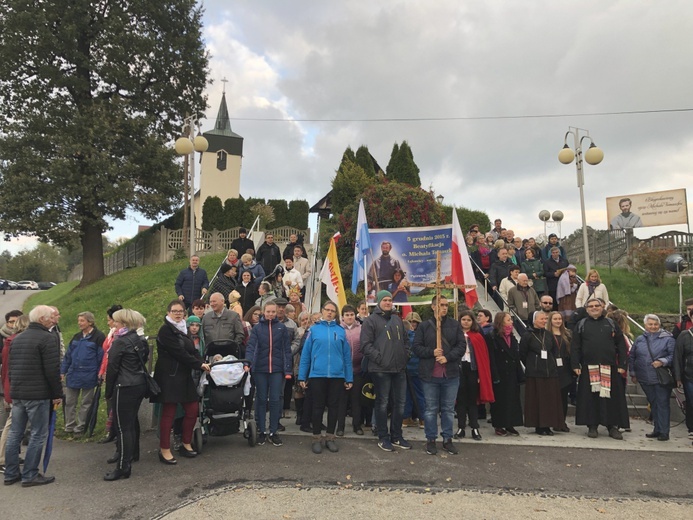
(362, 246)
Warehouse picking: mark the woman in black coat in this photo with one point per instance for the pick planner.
(125, 387)
(506, 410)
(177, 358)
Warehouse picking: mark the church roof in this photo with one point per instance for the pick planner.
(221, 137)
(222, 126)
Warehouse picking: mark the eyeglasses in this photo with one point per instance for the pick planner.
(176, 311)
(596, 306)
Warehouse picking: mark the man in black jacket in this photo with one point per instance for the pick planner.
(242, 244)
(34, 374)
(384, 344)
(440, 373)
(500, 269)
(268, 254)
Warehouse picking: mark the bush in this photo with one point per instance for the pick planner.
(648, 263)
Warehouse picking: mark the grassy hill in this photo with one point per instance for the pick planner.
(147, 289)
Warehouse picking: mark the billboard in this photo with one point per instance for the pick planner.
(656, 208)
(404, 255)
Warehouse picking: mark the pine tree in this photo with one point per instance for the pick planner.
(364, 160)
(212, 214)
(391, 166)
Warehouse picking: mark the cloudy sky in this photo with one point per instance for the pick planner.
(495, 65)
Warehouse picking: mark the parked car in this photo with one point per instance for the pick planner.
(46, 285)
(28, 285)
(13, 285)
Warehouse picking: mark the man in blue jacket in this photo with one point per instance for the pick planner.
(326, 367)
(192, 283)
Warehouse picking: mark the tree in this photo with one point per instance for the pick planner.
(212, 214)
(347, 185)
(91, 94)
(365, 161)
(281, 212)
(298, 214)
(402, 167)
(234, 211)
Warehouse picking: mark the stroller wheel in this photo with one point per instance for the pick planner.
(197, 441)
(252, 433)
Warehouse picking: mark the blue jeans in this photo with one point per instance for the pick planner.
(658, 396)
(271, 385)
(440, 393)
(415, 387)
(384, 382)
(23, 411)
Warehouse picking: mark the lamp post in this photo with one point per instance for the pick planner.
(187, 145)
(556, 216)
(594, 155)
(440, 199)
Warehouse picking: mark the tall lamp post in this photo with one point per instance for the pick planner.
(556, 216)
(188, 144)
(594, 155)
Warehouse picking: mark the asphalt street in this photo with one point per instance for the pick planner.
(361, 480)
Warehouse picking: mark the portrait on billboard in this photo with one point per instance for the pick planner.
(658, 208)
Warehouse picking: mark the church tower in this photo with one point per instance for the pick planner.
(220, 170)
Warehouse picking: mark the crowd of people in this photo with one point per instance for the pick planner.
(383, 370)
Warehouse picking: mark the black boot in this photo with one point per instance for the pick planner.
(117, 474)
(115, 458)
(299, 410)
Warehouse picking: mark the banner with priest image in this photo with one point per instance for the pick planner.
(658, 208)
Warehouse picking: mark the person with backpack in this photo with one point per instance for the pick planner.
(597, 355)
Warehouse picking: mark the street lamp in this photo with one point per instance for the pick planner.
(188, 144)
(593, 155)
(440, 199)
(556, 216)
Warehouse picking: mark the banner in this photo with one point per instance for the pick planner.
(403, 255)
(331, 276)
(657, 208)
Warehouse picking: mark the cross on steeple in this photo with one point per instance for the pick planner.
(224, 81)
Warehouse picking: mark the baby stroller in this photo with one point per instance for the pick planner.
(226, 399)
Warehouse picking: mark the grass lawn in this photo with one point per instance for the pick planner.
(147, 289)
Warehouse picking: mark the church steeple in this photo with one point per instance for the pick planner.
(223, 123)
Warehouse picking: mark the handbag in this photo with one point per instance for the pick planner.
(664, 375)
(152, 388)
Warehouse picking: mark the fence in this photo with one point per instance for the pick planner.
(162, 245)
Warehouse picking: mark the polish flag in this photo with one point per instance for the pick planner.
(462, 273)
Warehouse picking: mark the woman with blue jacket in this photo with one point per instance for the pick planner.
(269, 351)
(80, 372)
(326, 367)
(654, 349)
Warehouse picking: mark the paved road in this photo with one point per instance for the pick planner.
(490, 478)
(12, 300)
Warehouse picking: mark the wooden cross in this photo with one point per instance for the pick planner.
(438, 285)
(224, 81)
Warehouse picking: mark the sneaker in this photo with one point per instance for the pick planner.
(2, 468)
(460, 433)
(421, 424)
(690, 435)
(592, 432)
(38, 480)
(385, 445)
(615, 434)
(275, 440)
(431, 447)
(450, 447)
(406, 423)
(475, 435)
(401, 443)
(261, 438)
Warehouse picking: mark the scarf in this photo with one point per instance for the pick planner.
(181, 326)
(483, 366)
(507, 332)
(600, 379)
(564, 286)
(591, 286)
(122, 332)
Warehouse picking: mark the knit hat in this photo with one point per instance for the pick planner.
(193, 319)
(242, 230)
(225, 268)
(413, 317)
(382, 294)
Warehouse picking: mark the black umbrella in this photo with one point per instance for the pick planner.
(93, 414)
